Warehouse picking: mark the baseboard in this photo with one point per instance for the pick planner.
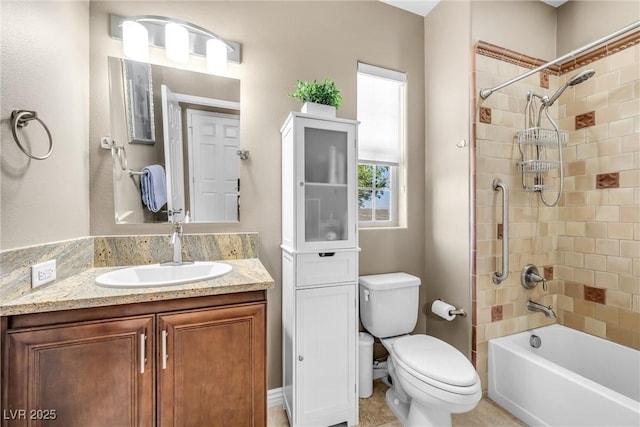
(274, 397)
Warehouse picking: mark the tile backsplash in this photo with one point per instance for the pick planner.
(75, 256)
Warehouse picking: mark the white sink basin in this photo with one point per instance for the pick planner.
(142, 276)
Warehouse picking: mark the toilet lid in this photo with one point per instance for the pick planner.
(433, 358)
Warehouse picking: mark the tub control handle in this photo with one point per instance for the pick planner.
(530, 277)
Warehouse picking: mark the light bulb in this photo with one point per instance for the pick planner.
(176, 39)
(216, 56)
(135, 41)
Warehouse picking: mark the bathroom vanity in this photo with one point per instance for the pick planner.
(76, 354)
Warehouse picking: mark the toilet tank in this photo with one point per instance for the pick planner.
(389, 303)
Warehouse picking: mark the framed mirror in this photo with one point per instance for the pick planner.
(179, 133)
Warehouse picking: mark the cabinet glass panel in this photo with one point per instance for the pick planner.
(326, 196)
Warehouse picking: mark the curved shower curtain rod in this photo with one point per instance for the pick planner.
(485, 93)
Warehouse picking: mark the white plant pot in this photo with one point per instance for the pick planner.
(319, 109)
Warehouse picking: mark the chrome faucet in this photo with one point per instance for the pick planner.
(547, 310)
(176, 242)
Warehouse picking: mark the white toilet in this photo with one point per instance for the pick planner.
(430, 378)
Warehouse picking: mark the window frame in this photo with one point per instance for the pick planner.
(393, 198)
(397, 189)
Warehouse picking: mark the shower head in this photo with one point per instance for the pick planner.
(575, 80)
(580, 77)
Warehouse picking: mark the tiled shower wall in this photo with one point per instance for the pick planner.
(598, 264)
(589, 245)
(500, 309)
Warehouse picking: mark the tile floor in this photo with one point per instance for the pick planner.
(375, 413)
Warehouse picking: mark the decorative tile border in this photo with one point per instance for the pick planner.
(526, 61)
(513, 57)
(601, 52)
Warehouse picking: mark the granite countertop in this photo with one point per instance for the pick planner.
(80, 290)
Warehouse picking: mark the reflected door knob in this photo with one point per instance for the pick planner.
(300, 358)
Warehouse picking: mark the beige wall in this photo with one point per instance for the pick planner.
(45, 67)
(281, 43)
(447, 210)
(527, 26)
(582, 22)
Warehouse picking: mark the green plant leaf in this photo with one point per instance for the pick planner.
(325, 92)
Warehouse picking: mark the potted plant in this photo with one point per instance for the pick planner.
(320, 98)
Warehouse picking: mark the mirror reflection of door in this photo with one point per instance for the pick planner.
(172, 129)
(213, 140)
(195, 91)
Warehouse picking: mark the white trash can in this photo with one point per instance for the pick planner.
(365, 365)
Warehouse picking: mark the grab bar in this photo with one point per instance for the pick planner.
(499, 185)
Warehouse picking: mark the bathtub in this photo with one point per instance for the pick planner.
(572, 379)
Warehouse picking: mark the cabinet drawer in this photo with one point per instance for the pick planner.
(326, 267)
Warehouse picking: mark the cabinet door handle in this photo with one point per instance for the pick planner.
(326, 254)
(143, 355)
(300, 358)
(164, 349)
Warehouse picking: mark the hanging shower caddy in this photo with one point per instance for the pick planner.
(541, 150)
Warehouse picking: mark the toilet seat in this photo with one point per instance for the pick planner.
(436, 363)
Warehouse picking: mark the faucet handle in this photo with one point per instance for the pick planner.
(531, 277)
(537, 278)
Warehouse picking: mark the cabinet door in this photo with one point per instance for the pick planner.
(326, 199)
(89, 374)
(326, 356)
(211, 366)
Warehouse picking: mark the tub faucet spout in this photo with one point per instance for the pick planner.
(547, 310)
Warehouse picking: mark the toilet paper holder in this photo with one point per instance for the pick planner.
(453, 311)
(458, 312)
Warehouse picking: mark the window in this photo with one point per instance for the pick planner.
(381, 141)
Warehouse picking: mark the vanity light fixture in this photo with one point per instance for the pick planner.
(135, 41)
(176, 40)
(216, 56)
(179, 38)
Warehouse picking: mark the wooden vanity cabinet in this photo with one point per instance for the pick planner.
(189, 362)
(211, 362)
(83, 374)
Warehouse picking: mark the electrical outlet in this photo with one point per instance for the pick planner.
(42, 273)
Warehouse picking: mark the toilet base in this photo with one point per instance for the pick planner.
(400, 409)
(415, 414)
(421, 415)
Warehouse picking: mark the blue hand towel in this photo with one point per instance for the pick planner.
(153, 187)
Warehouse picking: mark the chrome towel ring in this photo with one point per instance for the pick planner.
(20, 119)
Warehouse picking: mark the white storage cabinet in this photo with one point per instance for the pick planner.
(319, 270)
